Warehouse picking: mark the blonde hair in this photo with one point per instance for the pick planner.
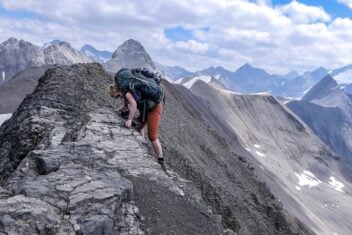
(113, 90)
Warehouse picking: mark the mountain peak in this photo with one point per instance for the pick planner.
(65, 44)
(131, 54)
(129, 46)
(132, 41)
(320, 89)
(53, 42)
(87, 47)
(246, 66)
(11, 40)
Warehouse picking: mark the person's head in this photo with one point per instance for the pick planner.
(114, 91)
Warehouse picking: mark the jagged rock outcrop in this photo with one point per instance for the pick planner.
(131, 54)
(67, 166)
(17, 55)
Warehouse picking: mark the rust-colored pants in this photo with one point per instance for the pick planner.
(153, 121)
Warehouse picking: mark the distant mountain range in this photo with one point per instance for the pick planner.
(96, 55)
(248, 79)
(173, 73)
(17, 55)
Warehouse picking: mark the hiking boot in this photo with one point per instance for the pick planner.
(162, 163)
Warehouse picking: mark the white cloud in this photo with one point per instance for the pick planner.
(192, 46)
(301, 13)
(346, 2)
(290, 37)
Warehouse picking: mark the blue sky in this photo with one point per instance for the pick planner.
(276, 35)
(334, 8)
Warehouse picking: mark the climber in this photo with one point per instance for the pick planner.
(149, 110)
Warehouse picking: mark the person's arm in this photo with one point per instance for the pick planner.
(133, 107)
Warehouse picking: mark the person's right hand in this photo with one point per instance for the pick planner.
(128, 124)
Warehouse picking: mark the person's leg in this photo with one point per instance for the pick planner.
(143, 124)
(157, 148)
(153, 120)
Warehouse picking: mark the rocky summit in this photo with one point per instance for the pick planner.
(131, 54)
(67, 166)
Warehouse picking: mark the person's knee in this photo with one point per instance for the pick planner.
(152, 137)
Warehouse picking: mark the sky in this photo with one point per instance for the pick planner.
(278, 35)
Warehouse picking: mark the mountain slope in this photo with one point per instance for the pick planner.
(13, 91)
(73, 168)
(299, 169)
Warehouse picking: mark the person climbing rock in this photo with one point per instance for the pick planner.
(145, 94)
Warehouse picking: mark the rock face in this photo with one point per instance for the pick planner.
(68, 167)
(131, 54)
(16, 56)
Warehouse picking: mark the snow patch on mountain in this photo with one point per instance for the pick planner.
(178, 81)
(260, 154)
(257, 146)
(337, 185)
(344, 77)
(205, 79)
(307, 178)
(4, 117)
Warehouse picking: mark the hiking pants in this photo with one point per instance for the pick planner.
(153, 122)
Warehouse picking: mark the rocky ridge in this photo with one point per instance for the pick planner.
(67, 166)
(74, 169)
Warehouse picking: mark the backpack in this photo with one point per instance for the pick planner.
(143, 84)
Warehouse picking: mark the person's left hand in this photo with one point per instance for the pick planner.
(128, 123)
